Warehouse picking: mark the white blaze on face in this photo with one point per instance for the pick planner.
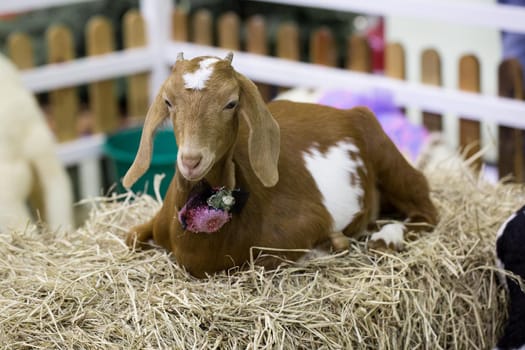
(197, 80)
(333, 172)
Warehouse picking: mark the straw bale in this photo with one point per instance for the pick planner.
(85, 289)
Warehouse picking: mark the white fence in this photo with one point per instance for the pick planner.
(161, 52)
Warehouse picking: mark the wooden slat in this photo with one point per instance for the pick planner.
(179, 29)
(257, 43)
(395, 61)
(431, 75)
(138, 84)
(64, 105)
(20, 50)
(288, 42)
(228, 26)
(202, 27)
(322, 47)
(470, 130)
(256, 38)
(511, 159)
(103, 102)
(358, 57)
(395, 64)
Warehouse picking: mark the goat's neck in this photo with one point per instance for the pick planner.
(222, 174)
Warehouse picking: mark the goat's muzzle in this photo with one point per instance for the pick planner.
(191, 161)
(194, 165)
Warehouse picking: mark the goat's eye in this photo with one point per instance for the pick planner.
(231, 105)
(168, 103)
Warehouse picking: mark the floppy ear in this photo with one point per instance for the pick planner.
(157, 112)
(264, 139)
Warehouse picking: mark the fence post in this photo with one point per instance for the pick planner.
(511, 152)
(63, 102)
(102, 97)
(256, 38)
(202, 28)
(179, 29)
(395, 61)
(137, 97)
(431, 75)
(470, 130)
(228, 27)
(257, 43)
(322, 47)
(395, 64)
(20, 50)
(358, 55)
(157, 15)
(288, 43)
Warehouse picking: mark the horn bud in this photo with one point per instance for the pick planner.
(229, 57)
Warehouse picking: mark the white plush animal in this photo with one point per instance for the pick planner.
(27, 149)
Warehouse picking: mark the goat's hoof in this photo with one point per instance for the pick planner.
(134, 240)
(388, 239)
(339, 241)
(381, 246)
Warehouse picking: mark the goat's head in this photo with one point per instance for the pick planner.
(204, 98)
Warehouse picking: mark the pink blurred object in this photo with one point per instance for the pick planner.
(203, 218)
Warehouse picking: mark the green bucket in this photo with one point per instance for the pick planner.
(122, 147)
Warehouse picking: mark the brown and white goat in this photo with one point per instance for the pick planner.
(311, 172)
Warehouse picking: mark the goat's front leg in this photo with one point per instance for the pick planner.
(139, 235)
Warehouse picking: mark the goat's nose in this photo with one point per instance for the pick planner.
(191, 161)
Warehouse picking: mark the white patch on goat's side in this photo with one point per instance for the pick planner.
(197, 80)
(333, 172)
(390, 234)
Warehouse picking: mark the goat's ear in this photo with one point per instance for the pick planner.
(264, 138)
(157, 112)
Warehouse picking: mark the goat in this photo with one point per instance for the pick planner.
(510, 250)
(28, 157)
(310, 173)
